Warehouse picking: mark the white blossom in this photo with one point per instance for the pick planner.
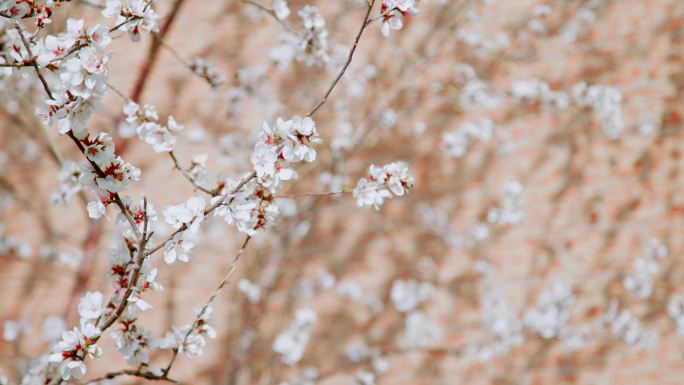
(291, 343)
(551, 314)
(606, 104)
(53, 326)
(91, 305)
(407, 294)
(392, 11)
(69, 183)
(179, 249)
(134, 16)
(390, 180)
(421, 330)
(133, 341)
(289, 141)
(72, 349)
(188, 340)
(282, 11)
(96, 209)
(190, 213)
(623, 325)
(675, 309)
(12, 329)
(645, 269)
(252, 291)
(312, 46)
(146, 124)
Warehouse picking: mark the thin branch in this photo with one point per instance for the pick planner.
(271, 13)
(133, 373)
(134, 279)
(33, 62)
(316, 194)
(187, 64)
(347, 63)
(140, 261)
(116, 27)
(18, 65)
(117, 91)
(196, 322)
(189, 177)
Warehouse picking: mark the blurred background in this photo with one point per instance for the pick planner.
(541, 244)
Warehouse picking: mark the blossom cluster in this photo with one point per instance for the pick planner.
(455, 143)
(249, 205)
(407, 294)
(551, 314)
(116, 175)
(77, 344)
(392, 12)
(383, 182)
(624, 325)
(134, 16)
(187, 215)
(533, 90)
(291, 342)
(645, 269)
(289, 141)
(421, 330)
(77, 74)
(501, 321)
(145, 122)
(69, 178)
(510, 210)
(189, 339)
(606, 104)
(312, 47)
(207, 71)
(309, 46)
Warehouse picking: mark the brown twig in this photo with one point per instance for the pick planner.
(189, 177)
(134, 373)
(315, 194)
(350, 56)
(196, 322)
(143, 240)
(33, 62)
